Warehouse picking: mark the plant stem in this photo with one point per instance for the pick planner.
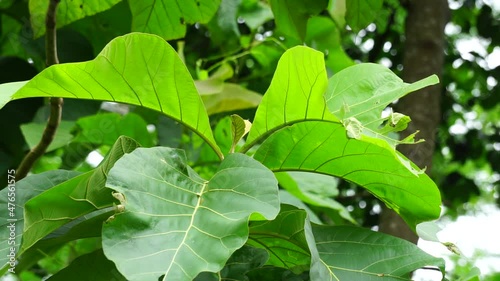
(55, 103)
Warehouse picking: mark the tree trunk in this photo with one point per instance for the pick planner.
(423, 56)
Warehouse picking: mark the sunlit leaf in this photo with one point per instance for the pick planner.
(428, 231)
(168, 18)
(138, 69)
(358, 95)
(295, 94)
(324, 147)
(183, 229)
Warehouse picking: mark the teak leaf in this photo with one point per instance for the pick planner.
(295, 94)
(138, 69)
(188, 225)
(324, 147)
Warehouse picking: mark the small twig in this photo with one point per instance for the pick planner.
(55, 103)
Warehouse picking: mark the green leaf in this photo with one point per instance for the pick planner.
(168, 18)
(291, 15)
(354, 253)
(33, 134)
(358, 95)
(189, 225)
(284, 238)
(242, 261)
(314, 189)
(323, 147)
(295, 94)
(88, 226)
(72, 199)
(223, 27)
(67, 12)
(255, 13)
(104, 129)
(230, 98)
(138, 69)
(360, 13)
(25, 189)
(325, 36)
(239, 128)
(428, 231)
(287, 198)
(93, 266)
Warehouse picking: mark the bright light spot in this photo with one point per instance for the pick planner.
(350, 192)
(454, 5)
(470, 234)
(491, 82)
(472, 44)
(386, 62)
(259, 37)
(445, 151)
(496, 146)
(151, 128)
(368, 45)
(493, 59)
(30, 60)
(451, 87)
(94, 158)
(458, 128)
(268, 33)
(372, 27)
(452, 29)
(457, 63)
(376, 209)
(387, 46)
(457, 108)
(362, 204)
(471, 115)
(241, 20)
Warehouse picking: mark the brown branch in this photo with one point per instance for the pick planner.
(55, 103)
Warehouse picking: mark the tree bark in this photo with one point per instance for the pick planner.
(423, 56)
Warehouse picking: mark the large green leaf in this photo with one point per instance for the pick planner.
(67, 12)
(168, 18)
(72, 199)
(25, 189)
(139, 69)
(354, 253)
(104, 129)
(291, 15)
(323, 147)
(358, 95)
(188, 225)
(360, 13)
(33, 134)
(295, 94)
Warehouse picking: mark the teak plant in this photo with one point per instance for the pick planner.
(158, 219)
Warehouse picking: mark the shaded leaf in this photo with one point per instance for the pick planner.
(360, 13)
(25, 189)
(89, 267)
(138, 69)
(168, 18)
(184, 229)
(104, 129)
(67, 12)
(284, 238)
(33, 134)
(354, 253)
(323, 147)
(72, 199)
(314, 189)
(291, 15)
